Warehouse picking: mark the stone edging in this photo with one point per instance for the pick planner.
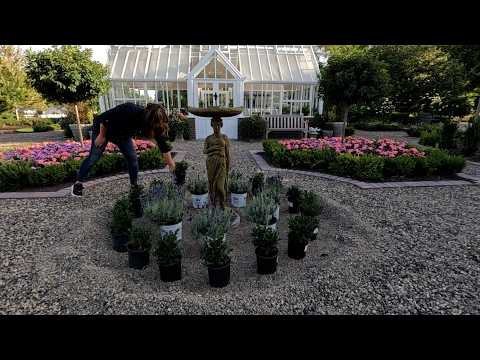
(468, 179)
(473, 163)
(179, 156)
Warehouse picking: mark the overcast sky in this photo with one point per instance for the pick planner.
(99, 51)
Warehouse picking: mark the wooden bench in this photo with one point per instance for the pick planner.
(286, 123)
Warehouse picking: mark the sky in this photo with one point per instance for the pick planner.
(99, 51)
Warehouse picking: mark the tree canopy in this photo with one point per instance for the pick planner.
(15, 91)
(66, 74)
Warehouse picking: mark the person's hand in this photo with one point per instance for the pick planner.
(99, 141)
(171, 167)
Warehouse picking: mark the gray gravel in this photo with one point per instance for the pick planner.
(380, 251)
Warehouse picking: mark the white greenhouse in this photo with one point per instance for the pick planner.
(264, 79)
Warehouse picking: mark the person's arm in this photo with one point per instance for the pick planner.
(166, 148)
(101, 138)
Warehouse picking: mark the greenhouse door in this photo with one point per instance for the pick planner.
(215, 93)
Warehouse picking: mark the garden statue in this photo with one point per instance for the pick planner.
(217, 149)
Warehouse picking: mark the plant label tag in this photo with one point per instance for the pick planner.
(290, 204)
(306, 247)
(315, 231)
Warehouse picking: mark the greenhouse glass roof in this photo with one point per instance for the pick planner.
(256, 63)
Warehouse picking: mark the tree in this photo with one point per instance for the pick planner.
(66, 74)
(424, 79)
(353, 78)
(469, 56)
(15, 91)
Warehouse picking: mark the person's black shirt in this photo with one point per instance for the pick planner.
(126, 120)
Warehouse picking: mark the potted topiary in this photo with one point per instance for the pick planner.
(168, 251)
(257, 183)
(139, 247)
(261, 209)
(215, 252)
(294, 195)
(311, 206)
(168, 214)
(198, 187)
(134, 197)
(121, 224)
(238, 187)
(180, 172)
(300, 233)
(265, 241)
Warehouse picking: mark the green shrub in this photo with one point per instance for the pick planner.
(121, 217)
(167, 249)
(71, 167)
(237, 183)
(252, 128)
(257, 183)
(377, 126)
(447, 135)
(261, 208)
(15, 175)
(471, 137)
(349, 131)
(369, 167)
(165, 211)
(48, 175)
(151, 159)
(439, 162)
(265, 240)
(405, 165)
(42, 125)
(300, 229)
(139, 237)
(310, 204)
(198, 185)
(215, 251)
(108, 164)
(430, 136)
(343, 165)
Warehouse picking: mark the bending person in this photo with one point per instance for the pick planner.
(119, 125)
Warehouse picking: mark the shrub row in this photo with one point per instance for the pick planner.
(366, 167)
(16, 175)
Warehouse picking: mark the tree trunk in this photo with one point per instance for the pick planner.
(344, 114)
(78, 123)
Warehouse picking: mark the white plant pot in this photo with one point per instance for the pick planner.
(200, 201)
(164, 229)
(272, 227)
(238, 200)
(277, 213)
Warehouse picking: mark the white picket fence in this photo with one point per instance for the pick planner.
(291, 122)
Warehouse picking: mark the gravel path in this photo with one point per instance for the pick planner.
(380, 251)
(397, 135)
(18, 138)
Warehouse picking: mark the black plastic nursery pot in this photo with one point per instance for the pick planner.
(219, 276)
(137, 208)
(138, 259)
(294, 209)
(266, 264)
(172, 272)
(296, 250)
(119, 243)
(180, 179)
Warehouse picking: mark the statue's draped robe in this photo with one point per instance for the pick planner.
(218, 162)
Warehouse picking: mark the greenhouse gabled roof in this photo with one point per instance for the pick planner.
(256, 63)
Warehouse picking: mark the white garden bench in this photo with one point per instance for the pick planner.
(292, 122)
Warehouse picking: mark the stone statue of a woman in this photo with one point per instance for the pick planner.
(217, 149)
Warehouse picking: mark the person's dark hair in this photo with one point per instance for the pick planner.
(156, 120)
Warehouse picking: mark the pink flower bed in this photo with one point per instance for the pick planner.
(51, 153)
(355, 146)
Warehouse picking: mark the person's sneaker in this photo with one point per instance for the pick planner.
(77, 189)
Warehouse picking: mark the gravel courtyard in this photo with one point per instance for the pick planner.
(380, 251)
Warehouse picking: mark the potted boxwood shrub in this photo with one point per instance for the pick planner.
(311, 206)
(238, 187)
(168, 214)
(257, 183)
(198, 187)
(294, 195)
(265, 241)
(121, 224)
(180, 172)
(135, 196)
(215, 252)
(139, 247)
(300, 233)
(261, 211)
(168, 252)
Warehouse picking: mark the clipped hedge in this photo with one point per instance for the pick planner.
(252, 128)
(365, 167)
(19, 174)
